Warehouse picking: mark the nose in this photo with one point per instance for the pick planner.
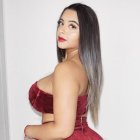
(62, 29)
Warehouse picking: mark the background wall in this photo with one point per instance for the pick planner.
(4, 130)
(30, 44)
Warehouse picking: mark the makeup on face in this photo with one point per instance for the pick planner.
(70, 21)
(68, 30)
(71, 26)
(61, 39)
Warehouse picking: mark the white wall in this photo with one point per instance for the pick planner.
(30, 26)
(4, 129)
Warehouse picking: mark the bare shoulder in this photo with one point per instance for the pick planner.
(65, 72)
(67, 68)
(72, 74)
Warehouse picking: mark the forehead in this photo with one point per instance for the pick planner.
(69, 15)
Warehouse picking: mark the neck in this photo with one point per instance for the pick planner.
(71, 54)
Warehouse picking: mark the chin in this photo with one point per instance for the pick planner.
(62, 47)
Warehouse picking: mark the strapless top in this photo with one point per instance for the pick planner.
(43, 101)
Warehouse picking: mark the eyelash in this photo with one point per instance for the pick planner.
(58, 22)
(70, 24)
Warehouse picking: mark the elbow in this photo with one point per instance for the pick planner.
(63, 131)
(66, 132)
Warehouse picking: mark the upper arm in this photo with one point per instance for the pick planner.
(65, 94)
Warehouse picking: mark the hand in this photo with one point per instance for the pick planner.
(26, 134)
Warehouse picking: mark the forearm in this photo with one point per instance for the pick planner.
(47, 131)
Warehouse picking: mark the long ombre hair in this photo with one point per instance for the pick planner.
(90, 54)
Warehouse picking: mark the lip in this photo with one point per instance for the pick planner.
(61, 39)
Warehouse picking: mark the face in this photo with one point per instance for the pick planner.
(68, 29)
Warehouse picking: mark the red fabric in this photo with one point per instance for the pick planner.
(43, 102)
(40, 100)
(83, 132)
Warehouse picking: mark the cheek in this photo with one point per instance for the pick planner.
(57, 33)
(74, 39)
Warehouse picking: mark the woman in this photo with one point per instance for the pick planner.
(75, 85)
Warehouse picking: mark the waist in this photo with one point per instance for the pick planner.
(81, 123)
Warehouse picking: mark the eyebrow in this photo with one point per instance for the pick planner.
(70, 21)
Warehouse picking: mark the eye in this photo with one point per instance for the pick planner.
(72, 26)
(59, 22)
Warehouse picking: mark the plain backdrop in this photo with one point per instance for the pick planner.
(30, 54)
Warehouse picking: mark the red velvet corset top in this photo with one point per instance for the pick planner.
(43, 102)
